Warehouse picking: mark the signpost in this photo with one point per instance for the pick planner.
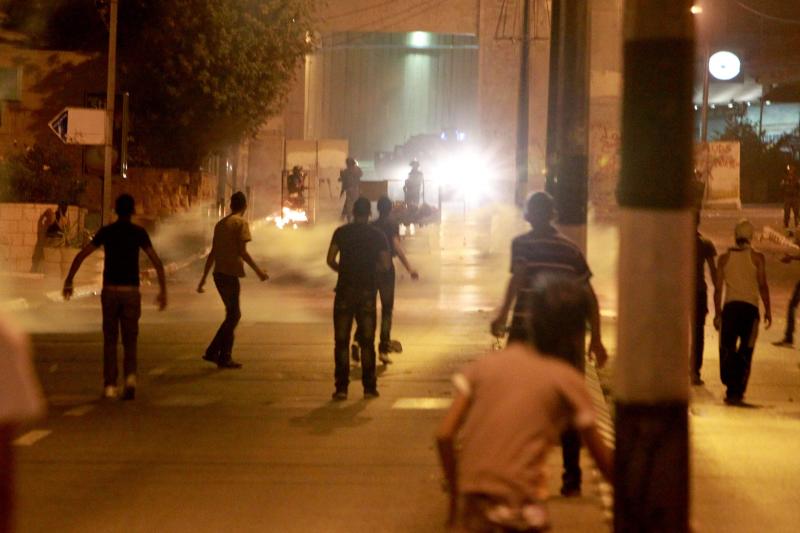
(80, 125)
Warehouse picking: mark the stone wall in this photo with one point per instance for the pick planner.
(22, 228)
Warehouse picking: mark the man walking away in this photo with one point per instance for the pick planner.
(120, 298)
(741, 274)
(790, 186)
(228, 255)
(386, 280)
(706, 252)
(544, 249)
(508, 410)
(362, 251)
(351, 185)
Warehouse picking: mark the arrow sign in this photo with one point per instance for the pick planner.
(80, 125)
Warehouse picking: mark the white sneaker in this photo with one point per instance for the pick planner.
(384, 358)
(110, 392)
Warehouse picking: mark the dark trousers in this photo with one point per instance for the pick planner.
(121, 311)
(386, 282)
(358, 305)
(789, 208)
(789, 335)
(737, 339)
(570, 438)
(699, 340)
(221, 346)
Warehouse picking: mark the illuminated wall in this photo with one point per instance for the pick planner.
(379, 89)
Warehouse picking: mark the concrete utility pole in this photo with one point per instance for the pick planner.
(551, 161)
(571, 132)
(523, 108)
(656, 270)
(110, 101)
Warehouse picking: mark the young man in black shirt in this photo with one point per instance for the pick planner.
(386, 280)
(362, 251)
(121, 301)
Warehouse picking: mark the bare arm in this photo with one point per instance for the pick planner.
(162, 279)
(333, 252)
(763, 288)
(719, 283)
(499, 323)
(401, 254)
(206, 269)
(603, 455)
(249, 260)
(596, 348)
(445, 442)
(85, 252)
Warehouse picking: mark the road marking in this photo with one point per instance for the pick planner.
(158, 371)
(422, 403)
(32, 437)
(80, 410)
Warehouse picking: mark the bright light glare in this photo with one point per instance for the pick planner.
(466, 171)
(696, 9)
(419, 39)
(724, 65)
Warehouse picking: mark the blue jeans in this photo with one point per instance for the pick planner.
(359, 305)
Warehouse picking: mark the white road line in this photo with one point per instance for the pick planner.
(422, 403)
(32, 437)
(158, 371)
(80, 410)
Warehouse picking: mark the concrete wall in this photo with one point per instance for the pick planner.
(21, 231)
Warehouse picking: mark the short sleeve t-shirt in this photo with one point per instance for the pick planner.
(359, 246)
(545, 250)
(121, 241)
(390, 230)
(705, 251)
(230, 235)
(520, 402)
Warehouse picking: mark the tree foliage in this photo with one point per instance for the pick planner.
(202, 74)
(40, 174)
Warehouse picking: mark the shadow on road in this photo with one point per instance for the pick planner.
(331, 416)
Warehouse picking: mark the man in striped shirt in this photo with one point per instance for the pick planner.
(545, 250)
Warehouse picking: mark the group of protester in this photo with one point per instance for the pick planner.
(510, 407)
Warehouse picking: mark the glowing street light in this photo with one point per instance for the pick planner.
(724, 65)
(696, 9)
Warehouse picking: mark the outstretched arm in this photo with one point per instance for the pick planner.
(162, 279)
(719, 283)
(401, 254)
(763, 288)
(333, 252)
(263, 276)
(603, 455)
(85, 252)
(499, 323)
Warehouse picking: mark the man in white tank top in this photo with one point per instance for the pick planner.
(741, 277)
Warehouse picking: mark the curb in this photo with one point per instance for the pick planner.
(605, 425)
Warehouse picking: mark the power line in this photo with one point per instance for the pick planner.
(765, 15)
(396, 18)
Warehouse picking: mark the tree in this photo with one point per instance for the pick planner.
(41, 173)
(203, 74)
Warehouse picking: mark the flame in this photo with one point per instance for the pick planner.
(288, 216)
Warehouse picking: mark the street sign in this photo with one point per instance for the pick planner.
(79, 125)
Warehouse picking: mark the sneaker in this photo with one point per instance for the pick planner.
(230, 363)
(369, 394)
(733, 400)
(339, 395)
(110, 392)
(355, 353)
(784, 343)
(384, 358)
(128, 393)
(697, 380)
(395, 346)
(210, 359)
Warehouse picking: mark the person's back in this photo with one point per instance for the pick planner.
(122, 241)
(359, 245)
(520, 403)
(230, 233)
(741, 281)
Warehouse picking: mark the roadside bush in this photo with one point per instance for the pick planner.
(39, 174)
